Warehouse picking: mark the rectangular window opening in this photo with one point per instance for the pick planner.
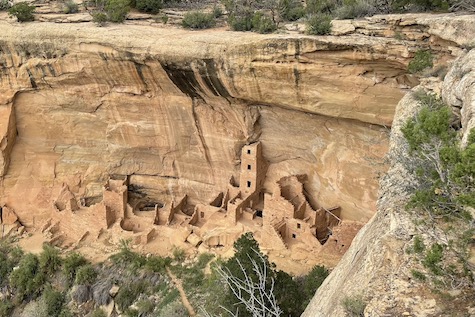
(298, 226)
(294, 236)
(248, 151)
(248, 184)
(249, 167)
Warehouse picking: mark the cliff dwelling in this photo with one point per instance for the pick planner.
(281, 217)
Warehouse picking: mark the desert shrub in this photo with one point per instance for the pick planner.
(418, 246)
(86, 275)
(433, 257)
(22, 11)
(240, 22)
(150, 6)
(157, 263)
(126, 256)
(99, 312)
(319, 24)
(418, 275)
(179, 255)
(6, 306)
(355, 9)
(100, 18)
(445, 172)
(420, 5)
(354, 305)
(49, 260)
(54, 301)
(117, 10)
(291, 10)
(10, 256)
(128, 294)
(422, 60)
(70, 7)
(198, 20)
(320, 6)
(145, 307)
(5, 5)
(217, 12)
(262, 23)
(314, 279)
(71, 263)
(27, 279)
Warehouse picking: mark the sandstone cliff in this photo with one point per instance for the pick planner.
(171, 109)
(377, 266)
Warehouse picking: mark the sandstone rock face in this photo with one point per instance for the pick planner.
(172, 109)
(377, 264)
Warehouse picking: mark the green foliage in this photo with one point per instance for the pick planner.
(117, 10)
(86, 275)
(131, 259)
(71, 264)
(262, 23)
(433, 257)
(418, 246)
(420, 5)
(49, 260)
(4, 5)
(149, 6)
(198, 20)
(257, 16)
(422, 59)
(128, 294)
(9, 258)
(6, 306)
(314, 279)
(70, 7)
(291, 10)
(100, 18)
(320, 6)
(157, 264)
(22, 11)
(54, 301)
(352, 9)
(217, 12)
(418, 275)
(99, 312)
(179, 255)
(27, 279)
(445, 172)
(354, 305)
(319, 24)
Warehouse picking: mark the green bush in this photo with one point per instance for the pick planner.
(157, 263)
(22, 11)
(422, 59)
(433, 258)
(198, 20)
(27, 279)
(291, 10)
(100, 18)
(49, 260)
(86, 275)
(240, 22)
(54, 301)
(117, 10)
(314, 279)
(70, 7)
(6, 306)
(150, 6)
(419, 246)
(354, 305)
(99, 312)
(320, 6)
(418, 275)
(262, 23)
(4, 5)
(355, 9)
(71, 263)
(420, 5)
(128, 294)
(319, 24)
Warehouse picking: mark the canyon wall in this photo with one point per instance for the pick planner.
(172, 108)
(378, 268)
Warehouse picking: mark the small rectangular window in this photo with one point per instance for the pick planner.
(248, 184)
(249, 167)
(248, 151)
(298, 226)
(294, 236)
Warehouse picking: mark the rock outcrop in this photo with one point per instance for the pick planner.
(377, 265)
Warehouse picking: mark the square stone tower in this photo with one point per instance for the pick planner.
(253, 169)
